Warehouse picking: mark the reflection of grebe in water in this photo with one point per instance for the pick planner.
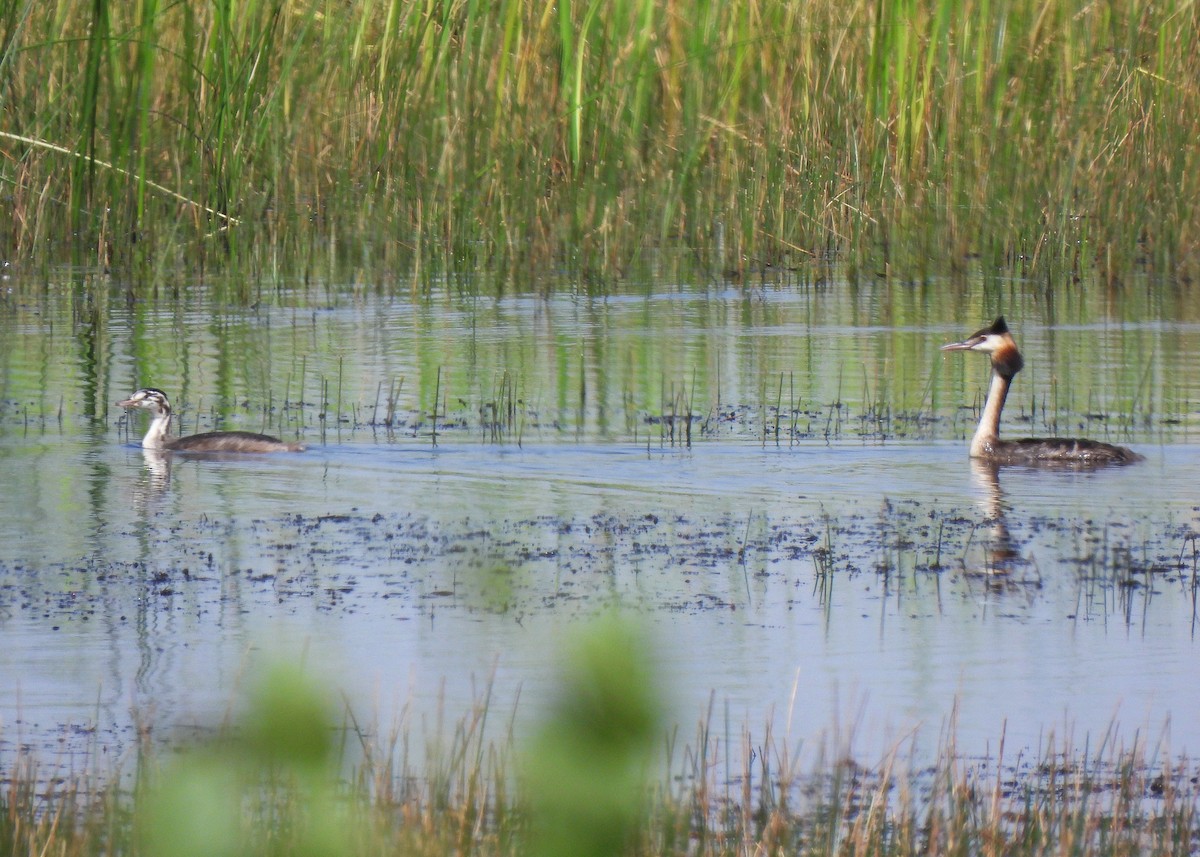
(998, 343)
(158, 465)
(1000, 550)
(158, 436)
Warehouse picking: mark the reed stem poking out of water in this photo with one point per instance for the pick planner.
(904, 138)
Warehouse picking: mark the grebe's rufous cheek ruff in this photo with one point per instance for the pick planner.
(158, 436)
(997, 342)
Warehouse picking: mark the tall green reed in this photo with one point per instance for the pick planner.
(902, 136)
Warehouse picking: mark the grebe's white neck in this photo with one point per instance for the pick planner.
(987, 434)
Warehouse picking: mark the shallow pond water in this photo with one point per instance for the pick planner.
(825, 562)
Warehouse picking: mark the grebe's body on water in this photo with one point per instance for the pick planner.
(158, 436)
(998, 343)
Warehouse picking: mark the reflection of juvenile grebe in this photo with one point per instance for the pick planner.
(997, 342)
(159, 434)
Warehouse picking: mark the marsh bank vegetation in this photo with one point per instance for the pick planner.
(410, 140)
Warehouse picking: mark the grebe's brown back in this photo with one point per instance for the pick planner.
(158, 436)
(997, 342)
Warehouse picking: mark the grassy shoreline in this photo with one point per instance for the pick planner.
(251, 791)
(905, 139)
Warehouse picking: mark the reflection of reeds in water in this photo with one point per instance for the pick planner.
(667, 412)
(1194, 586)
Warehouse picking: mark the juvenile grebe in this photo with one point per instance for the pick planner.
(997, 342)
(158, 436)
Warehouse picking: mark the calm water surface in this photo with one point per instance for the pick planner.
(837, 566)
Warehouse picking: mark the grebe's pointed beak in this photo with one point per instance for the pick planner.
(986, 340)
(965, 345)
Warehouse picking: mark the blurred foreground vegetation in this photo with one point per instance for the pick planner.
(903, 138)
(585, 783)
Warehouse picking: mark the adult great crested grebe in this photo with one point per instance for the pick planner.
(158, 436)
(998, 343)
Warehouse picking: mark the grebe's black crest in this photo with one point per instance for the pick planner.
(159, 434)
(997, 342)
(997, 328)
